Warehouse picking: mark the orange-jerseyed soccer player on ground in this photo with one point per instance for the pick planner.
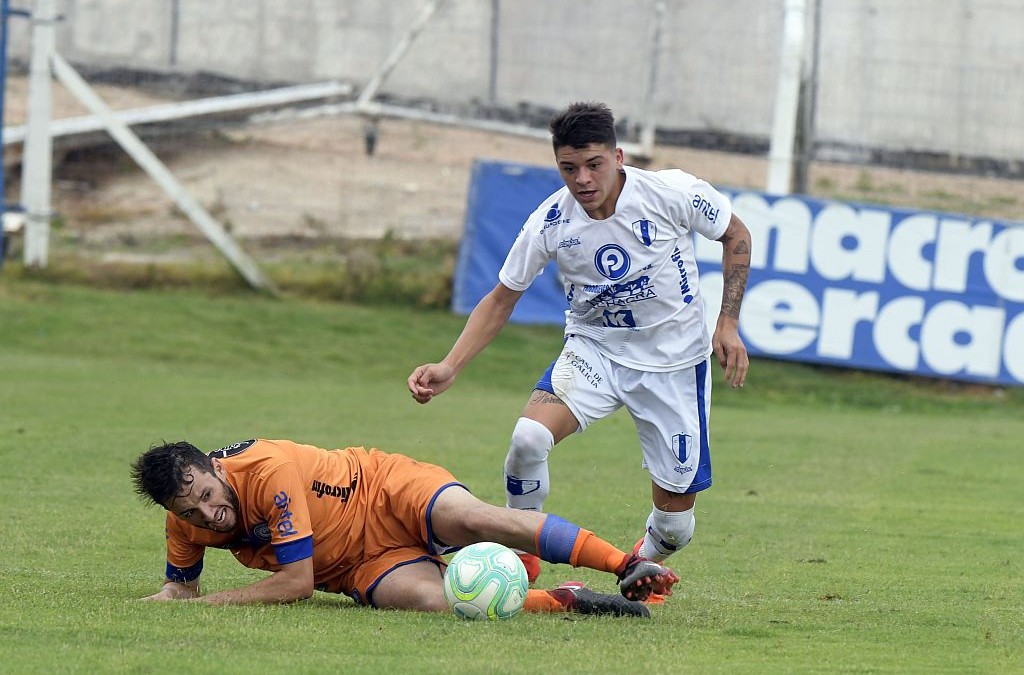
(365, 523)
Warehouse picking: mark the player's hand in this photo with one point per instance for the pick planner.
(429, 380)
(731, 352)
(158, 597)
(171, 591)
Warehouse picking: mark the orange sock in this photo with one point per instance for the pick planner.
(542, 601)
(597, 554)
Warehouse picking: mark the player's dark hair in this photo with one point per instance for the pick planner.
(581, 124)
(160, 473)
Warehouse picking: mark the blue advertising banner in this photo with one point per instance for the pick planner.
(501, 197)
(843, 284)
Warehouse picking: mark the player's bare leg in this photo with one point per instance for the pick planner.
(459, 519)
(417, 586)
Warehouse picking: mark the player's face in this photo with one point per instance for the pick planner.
(592, 174)
(206, 501)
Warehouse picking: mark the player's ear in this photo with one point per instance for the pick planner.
(218, 468)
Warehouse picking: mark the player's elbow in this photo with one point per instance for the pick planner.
(303, 593)
(503, 299)
(296, 581)
(301, 589)
(292, 592)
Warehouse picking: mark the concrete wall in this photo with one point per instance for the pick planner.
(935, 76)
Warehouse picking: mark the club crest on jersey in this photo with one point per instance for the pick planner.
(612, 261)
(646, 231)
(261, 532)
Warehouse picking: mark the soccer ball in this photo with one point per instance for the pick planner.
(485, 581)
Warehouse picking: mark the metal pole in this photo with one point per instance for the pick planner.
(5, 7)
(492, 82)
(149, 162)
(175, 29)
(370, 90)
(648, 115)
(787, 97)
(36, 174)
(808, 106)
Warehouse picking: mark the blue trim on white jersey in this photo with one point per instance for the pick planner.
(702, 480)
(544, 383)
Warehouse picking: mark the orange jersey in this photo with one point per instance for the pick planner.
(344, 508)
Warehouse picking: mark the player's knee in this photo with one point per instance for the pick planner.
(424, 597)
(432, 601)
(671, 530)
(531, 443)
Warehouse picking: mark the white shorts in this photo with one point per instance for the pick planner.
(670, 409)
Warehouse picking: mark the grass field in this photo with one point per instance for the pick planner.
(858, 523)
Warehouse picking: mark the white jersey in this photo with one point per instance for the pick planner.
(631, 280)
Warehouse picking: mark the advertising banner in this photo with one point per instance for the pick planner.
(838, 283)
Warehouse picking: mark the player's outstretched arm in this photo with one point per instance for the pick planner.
(176, 590)
(292, 582)
(726, 342)
(484, 323)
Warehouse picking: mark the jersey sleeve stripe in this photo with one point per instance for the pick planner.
(292, 551)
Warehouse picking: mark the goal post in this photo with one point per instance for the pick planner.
(45, 63)
(781, 153)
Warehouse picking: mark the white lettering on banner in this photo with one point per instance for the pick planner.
(960, 240)
(841, 311)
(906, 258)
(1004, 265)
(841, 242)
(957, 338)
(836, 229)
(1014, 346)
(951, 337)
(891, 334)
(788, 219)
(935, 292)
(783, 317)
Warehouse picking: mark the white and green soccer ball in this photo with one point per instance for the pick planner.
(486, 581)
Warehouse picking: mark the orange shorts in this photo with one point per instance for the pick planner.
(397, 530)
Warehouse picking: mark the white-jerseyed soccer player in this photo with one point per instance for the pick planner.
(635, 333)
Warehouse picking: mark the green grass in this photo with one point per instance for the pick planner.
(859, 523)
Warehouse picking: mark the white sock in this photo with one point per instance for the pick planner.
(526, 466)
(667, 532)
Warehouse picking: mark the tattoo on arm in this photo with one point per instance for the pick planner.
(735, 269)
(732, 292)
(541, 396)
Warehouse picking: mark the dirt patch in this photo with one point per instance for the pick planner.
(288, 184)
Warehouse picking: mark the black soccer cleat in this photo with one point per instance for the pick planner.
(581, 600)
